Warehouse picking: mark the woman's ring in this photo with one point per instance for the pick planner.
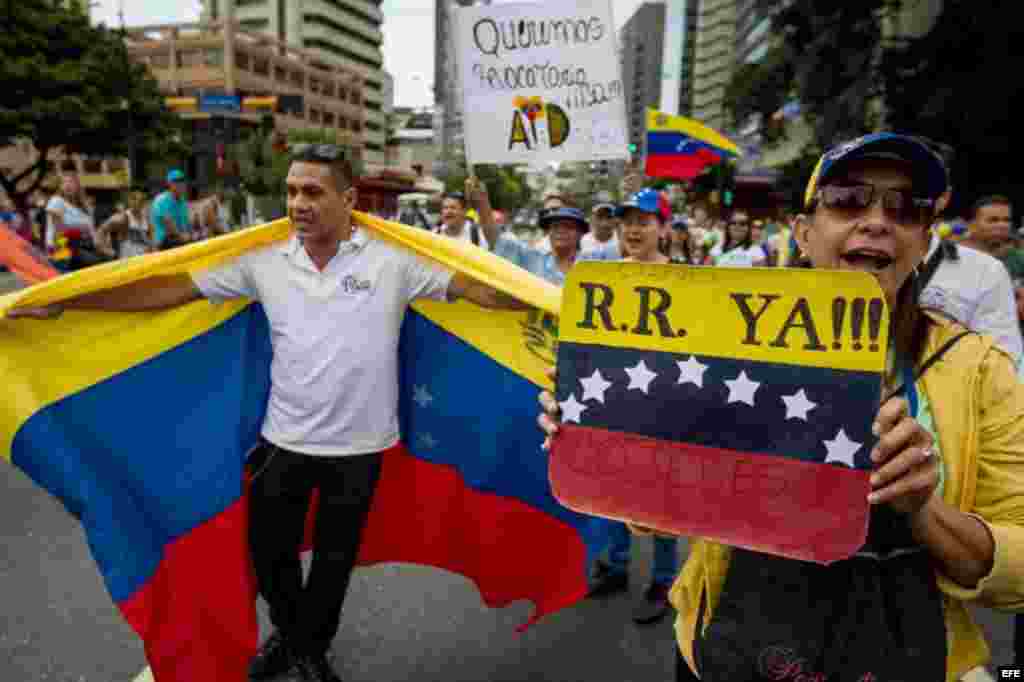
(928, 452)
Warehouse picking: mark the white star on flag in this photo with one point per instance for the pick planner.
(640, 377)
(691, 372)
(742, 389)
(841, 449)
(572, 410)
(797, 405)
(421, 397)
(594, 387)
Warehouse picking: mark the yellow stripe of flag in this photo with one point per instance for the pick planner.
(660, 122)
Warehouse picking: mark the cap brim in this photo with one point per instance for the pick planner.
(545, 223)
(929, 173)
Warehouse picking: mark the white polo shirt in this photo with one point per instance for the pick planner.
(976, 291)
(334, 373)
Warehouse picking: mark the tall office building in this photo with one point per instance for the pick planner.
(344, 32)
(447, 91)
(754, 29)
(641, 43)
(714, 60)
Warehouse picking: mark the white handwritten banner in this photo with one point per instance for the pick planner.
(541, 82)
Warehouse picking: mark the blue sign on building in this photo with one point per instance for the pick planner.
(214, 104)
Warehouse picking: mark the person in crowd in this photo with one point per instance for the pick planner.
(739, 249)
(14, 220)
(552, 201)
(679, 251)
(455, 222)
(700, 241)
(333, 404)
(990, 227)
(603, 225)
(129, 229)
(69, 217)
(947, 516)
(970, 284)
(1018, 292)
(214, 218)
(563, 226)
(169, 214)
(643, 217)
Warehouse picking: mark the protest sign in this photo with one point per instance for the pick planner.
(541, 82)
(729, 403)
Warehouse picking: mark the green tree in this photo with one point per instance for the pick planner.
(71, 85)
(506, 185)
(959, 84)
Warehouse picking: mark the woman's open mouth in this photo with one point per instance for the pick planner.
(869, 260)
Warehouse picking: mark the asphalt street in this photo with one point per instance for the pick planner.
(401, 622)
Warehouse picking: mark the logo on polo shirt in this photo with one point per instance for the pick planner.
(352, 285)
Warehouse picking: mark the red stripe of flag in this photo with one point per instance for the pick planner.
(805, 510)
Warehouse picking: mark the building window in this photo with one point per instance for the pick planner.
(357, 126)
(249, 3)
(255, 24)
(317, 44)
(344, 30)
(342, 123)
(314, 115)
(241, 61)
(328, 119)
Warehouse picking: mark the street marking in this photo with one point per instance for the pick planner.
(147, 675)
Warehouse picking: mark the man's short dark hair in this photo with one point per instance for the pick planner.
(990, 200)
(330, 155)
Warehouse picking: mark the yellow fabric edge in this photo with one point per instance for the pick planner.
(104, 345)
(502, 338)
(699, 131)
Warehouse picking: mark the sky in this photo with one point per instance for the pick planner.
(408, 35)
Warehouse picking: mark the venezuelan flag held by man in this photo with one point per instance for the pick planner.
(681, 148)
(276, 390)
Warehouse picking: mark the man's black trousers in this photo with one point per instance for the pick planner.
(307, 616)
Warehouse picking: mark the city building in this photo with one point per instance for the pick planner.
(346, 33)
(447, 91)
(195, 61)
(713, 61)
(641, 43)
(754, 29)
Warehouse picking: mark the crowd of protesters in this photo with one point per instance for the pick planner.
(953, 528)
(66, 225)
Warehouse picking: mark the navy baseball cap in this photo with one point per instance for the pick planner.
(648, 201)
(931, 178)
(564, 213)
(175, 176)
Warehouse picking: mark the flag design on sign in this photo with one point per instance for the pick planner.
(681, 148)
(140, 425)
(769, 455)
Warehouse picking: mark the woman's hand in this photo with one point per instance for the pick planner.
(549, 419)
(906, 468)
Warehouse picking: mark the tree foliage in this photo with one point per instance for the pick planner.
(71, 85)
(959, 84)
(506, 185)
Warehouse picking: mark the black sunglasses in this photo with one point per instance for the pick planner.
(327, 153)
(902, 203)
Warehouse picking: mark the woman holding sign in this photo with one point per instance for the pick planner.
(643, 217)
(947, 520)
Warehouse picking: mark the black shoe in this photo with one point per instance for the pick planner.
(314, 669)
(653, 606)
(608, 584)
(274, 658)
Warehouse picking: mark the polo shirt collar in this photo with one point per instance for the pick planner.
(356, 242)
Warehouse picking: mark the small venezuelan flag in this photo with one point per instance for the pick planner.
(727, 403)
(140, 424)
(681, 148)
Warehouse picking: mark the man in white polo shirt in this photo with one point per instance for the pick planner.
(335, 298)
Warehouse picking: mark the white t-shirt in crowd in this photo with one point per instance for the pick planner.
(742, 257)
(976, 291)
(467, 234)
(544, 245)
(589, 241)
(73, 217)
(334, 374)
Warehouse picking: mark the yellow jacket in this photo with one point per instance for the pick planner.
(977, 406)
